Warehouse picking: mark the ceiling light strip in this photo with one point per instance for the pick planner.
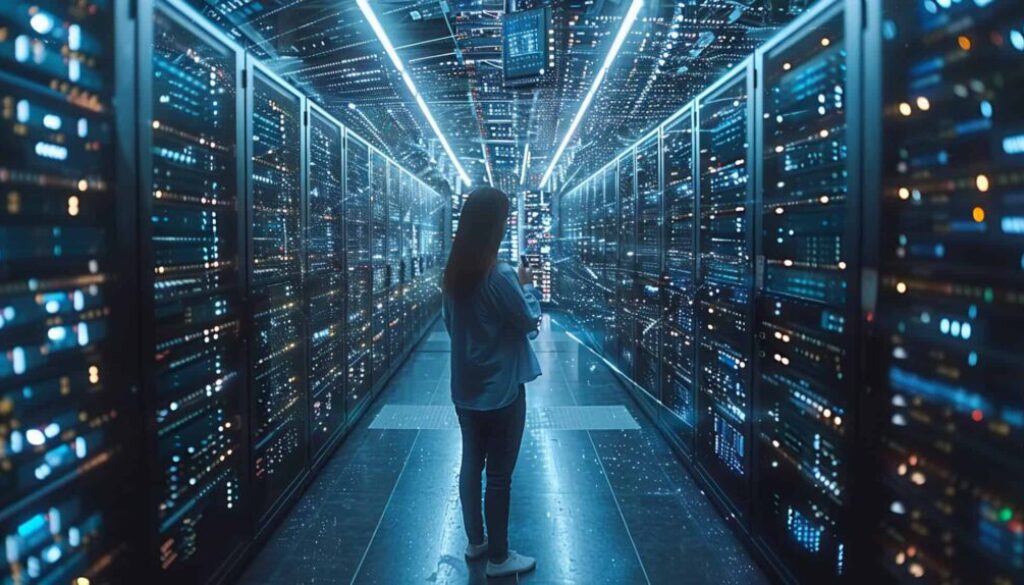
(382, 36)
(620, 38)
(526, 164)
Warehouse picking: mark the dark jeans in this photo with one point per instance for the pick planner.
(490, 438)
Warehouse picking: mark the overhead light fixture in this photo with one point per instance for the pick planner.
(526, 164)
(382, 36)
(620, 38)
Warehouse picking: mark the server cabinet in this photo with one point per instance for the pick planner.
(405, 265)
(649, 317)
(325, 279)
(678, 379)
(379, 210)
(394, 264)
(626, 313)
(68, 437)
(193, 266)
(609, 262)
(359, 270)
(277, 339)
(589, 296)
(536, 239)
(419, 284)
(951, 286)
(725, 295)
(808, 303)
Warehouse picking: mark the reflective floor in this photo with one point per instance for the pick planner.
(594, 506)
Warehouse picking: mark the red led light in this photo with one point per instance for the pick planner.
(977, 415)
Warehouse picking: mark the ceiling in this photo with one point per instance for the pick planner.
(452, 50)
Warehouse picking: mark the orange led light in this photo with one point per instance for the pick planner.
(964, 42)
(978, 214)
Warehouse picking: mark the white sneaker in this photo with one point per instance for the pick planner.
(475, 551)
(515, 563)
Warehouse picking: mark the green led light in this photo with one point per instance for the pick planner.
(1006, 514)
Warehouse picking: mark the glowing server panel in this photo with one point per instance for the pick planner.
(405, 270)
(65, 427)
(626, 315)
(649, 321)
(325, 279)
(677, 392)
(277, 339)
(359, 270)
(808, 305)
(609, 259)
(536, 238)
(951, 292)
(379, 210)
(193, 268)
(724, 299)
(396, 273)
(589, 296)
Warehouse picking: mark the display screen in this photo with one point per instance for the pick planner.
(65, 425)
(325, 280)
(725, 300)
(197, 364)
(808, 313)
(680, 278)
(525, 42)
(951, 300)
(359, 268)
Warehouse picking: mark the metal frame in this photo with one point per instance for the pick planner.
(126, 326)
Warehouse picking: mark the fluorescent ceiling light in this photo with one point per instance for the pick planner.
(526, 164)
(364, 6)
(620, 38)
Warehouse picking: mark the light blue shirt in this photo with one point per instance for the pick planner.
(491, 332)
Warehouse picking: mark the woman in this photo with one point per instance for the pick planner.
(490, 312)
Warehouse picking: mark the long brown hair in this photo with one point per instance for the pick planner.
(475, 249)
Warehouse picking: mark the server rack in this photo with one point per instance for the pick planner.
(680, 285)
(536, 245)
(359, 266)
(192, 266)
(626, 274)
(405, 265)
(609, 261)
(649, 277)
(125, 318)
(724, 299)
(278, 330)
(808, 293)
(68, 388)
(381, 207)
(949, 130)
(587, 296)
(325, 280)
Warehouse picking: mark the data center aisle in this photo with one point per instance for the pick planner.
(594, 506)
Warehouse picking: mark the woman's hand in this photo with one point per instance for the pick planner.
(525, 275)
